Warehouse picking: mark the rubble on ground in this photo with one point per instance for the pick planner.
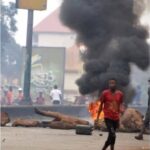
(131, 121)
(25, 123)
(4, 118)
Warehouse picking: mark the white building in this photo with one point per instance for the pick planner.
(51, 33)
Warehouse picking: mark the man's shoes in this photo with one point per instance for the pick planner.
(139, 137)
(112, 147)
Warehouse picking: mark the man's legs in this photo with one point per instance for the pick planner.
(115, 125)
(111, 126)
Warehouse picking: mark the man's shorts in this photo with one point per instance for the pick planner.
(56, 102)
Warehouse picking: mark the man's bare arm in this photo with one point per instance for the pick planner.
(100, 110)
(122, 106)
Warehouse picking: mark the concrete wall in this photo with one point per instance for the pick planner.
(28, 111)
(70, 79)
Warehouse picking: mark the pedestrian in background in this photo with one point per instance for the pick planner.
(40, 100)
(56, 95)
(10, 96)
(146, 123)
(20, 96)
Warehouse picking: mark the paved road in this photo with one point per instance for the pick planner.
(49, 139)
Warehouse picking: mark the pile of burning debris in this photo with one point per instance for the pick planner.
(131, 121)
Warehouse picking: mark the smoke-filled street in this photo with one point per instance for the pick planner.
(112, 35)
(48, 139)
(75, 74)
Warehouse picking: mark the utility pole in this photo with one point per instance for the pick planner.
(29, 5)
(28, 60)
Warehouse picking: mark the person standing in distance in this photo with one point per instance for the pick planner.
(56, 95)
(147, 117)
(111, 102)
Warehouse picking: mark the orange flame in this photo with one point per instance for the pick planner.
(93, 109)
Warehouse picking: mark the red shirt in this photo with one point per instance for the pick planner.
(112, 102)
(10, 97)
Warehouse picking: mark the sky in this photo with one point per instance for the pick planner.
(21, 18)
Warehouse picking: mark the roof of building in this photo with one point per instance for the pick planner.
(52, 24)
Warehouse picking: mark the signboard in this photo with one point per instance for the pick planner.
(48, 62)
(31, 4)
(47, 69)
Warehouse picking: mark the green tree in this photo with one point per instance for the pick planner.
(10, 51)
(8, 22)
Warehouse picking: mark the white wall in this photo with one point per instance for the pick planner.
(56, 40)
(70, 79)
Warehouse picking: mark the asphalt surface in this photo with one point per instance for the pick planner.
(50, 139)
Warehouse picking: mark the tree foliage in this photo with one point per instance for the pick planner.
(11, 54)
(8, 22)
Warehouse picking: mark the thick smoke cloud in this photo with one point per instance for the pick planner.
(114, 39)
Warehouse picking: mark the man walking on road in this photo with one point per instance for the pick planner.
(111, 101)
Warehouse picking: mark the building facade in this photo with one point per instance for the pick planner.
(50, 32)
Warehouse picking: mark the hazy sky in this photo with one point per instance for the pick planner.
(21, 17)
(20, 36)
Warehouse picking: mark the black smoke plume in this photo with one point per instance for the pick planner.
(114, 38)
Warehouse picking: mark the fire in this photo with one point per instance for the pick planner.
(93, 109)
